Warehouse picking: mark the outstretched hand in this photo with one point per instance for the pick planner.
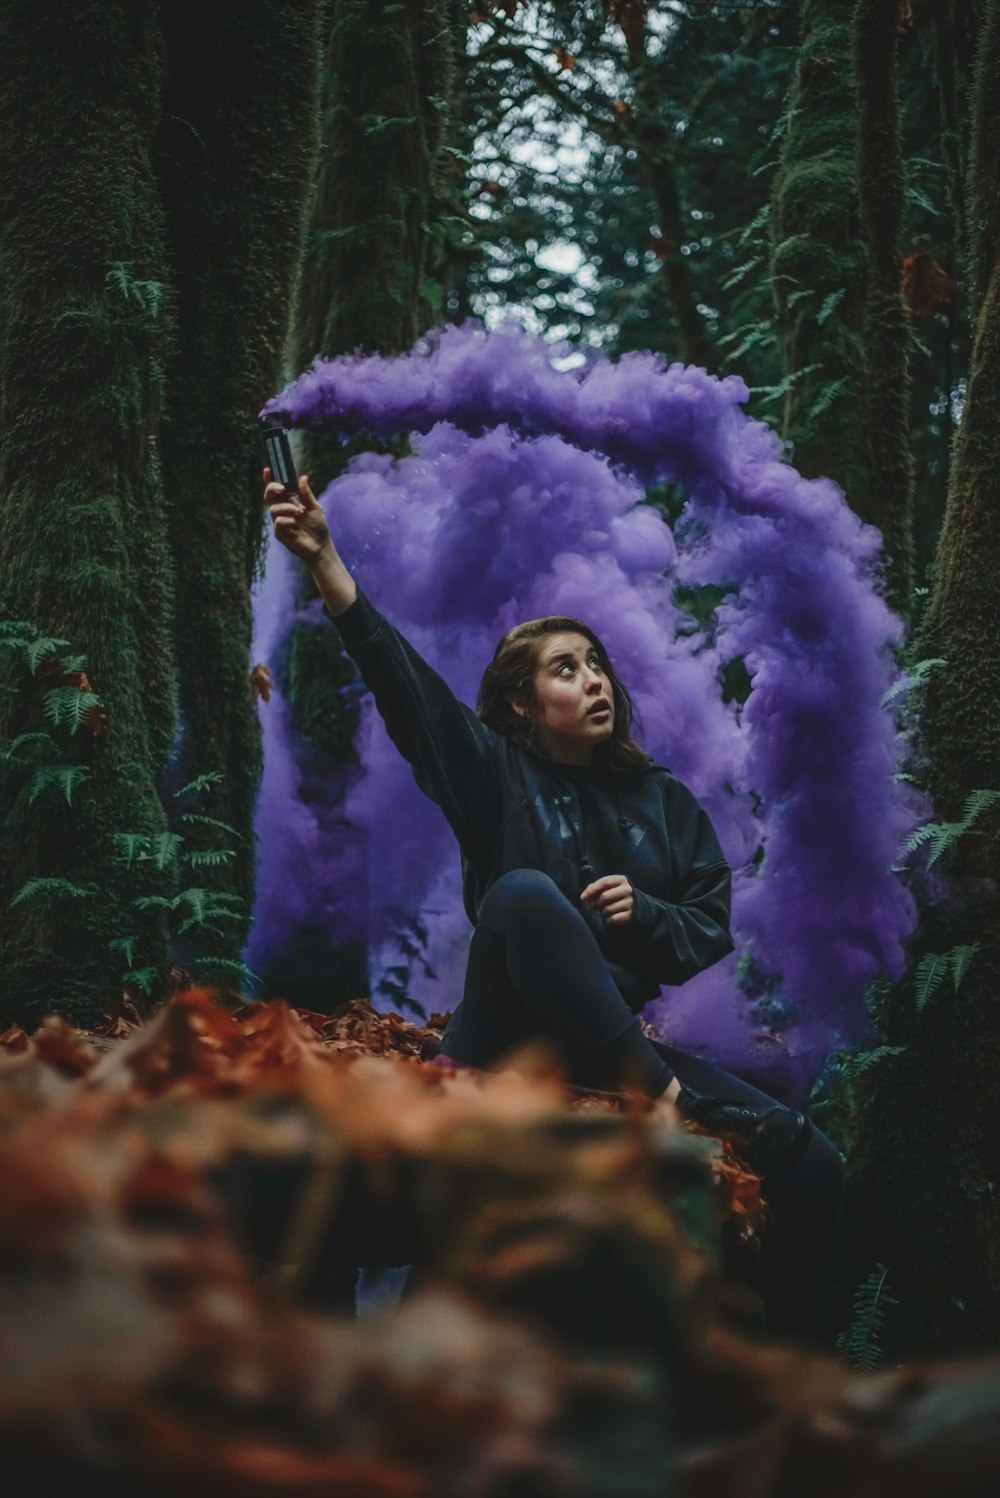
(299, 523)
(613, 897)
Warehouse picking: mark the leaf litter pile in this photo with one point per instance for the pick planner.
(179, 1197)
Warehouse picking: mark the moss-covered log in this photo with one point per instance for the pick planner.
(84, 322)
(924, 1197)
(236, 156)
(888, 500)
(818, 265)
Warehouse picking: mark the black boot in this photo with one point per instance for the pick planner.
(767, 1137)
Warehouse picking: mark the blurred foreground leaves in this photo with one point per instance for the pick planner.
(173, 1194)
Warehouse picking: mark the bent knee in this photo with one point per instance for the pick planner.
(519, 890)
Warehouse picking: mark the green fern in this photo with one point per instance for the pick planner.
(164, 848)
(132, 846)
(209, 858)
(193, 818)
(39, 648)
(66, 778)
(933, 968)
(942, 836)
(9, 749)
(125, 946)
(201, 783)
(860, 1344)
(67, 707)
(915, 676)
(861, 1061)
(50, 889)
(142, 977)
(830, 305)
(226, 965)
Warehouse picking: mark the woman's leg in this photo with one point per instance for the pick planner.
(795, 1274)
(535, 969)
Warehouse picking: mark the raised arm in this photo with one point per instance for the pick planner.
(455, 757)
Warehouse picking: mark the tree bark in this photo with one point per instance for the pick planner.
(923, 1198)
(817, 260)
(86, 317)
(373, 280)
(888, 502)
(658, 171)
(236, 156)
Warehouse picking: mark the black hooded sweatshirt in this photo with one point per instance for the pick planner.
(511, 808)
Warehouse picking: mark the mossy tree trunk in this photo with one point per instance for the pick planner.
(373, 280)
(818, 265)
(924, 1198)
(888, 499)
(650, 135)
(84, 325)
(236, 154)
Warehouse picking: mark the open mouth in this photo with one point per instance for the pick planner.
(598, 708)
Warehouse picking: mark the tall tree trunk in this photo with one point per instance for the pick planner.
(658, 171)
(817, 261)
(923, 1197)
(888, 501)
(236, 157)
(84, 324)
(372, 281)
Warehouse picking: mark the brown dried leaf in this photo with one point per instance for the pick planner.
(261, 684)
(565, 59)
(927, 287)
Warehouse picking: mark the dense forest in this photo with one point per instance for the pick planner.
(199, 202)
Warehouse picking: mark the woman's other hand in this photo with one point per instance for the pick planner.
(299, 523)
(613, 897)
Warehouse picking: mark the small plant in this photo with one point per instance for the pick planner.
(411, 939)
(941, 837)
(860, 1344)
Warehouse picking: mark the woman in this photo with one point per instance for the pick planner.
(591, 877)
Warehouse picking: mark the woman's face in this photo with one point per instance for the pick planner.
(574, 708)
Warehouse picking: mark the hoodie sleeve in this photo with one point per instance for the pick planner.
(689, 933)
(455, 757)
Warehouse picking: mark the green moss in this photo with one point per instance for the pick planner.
(79, 405)
(236, 155)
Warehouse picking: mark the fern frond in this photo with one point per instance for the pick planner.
(197, 819)
(45, 645)
(132, 846)
(164, 848)
(201, 783)
(961, 957)
(126, 945)
(856, 1065)
(67, 707)
(65, 778)
(827, 396)
(49, 889)
(830, 305)
(931, 971)
(142, 977)
(860, 1344)
(209, 858)
(9, 748)
(238, 970)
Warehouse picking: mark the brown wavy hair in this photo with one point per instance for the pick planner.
(512, 671)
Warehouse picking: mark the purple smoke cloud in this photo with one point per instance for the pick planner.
(523, 497)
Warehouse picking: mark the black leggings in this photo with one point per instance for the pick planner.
(535, 968)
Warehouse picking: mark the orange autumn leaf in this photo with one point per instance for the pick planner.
(927, 287)
(260, 682)
(621, 107)
(565, 59)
